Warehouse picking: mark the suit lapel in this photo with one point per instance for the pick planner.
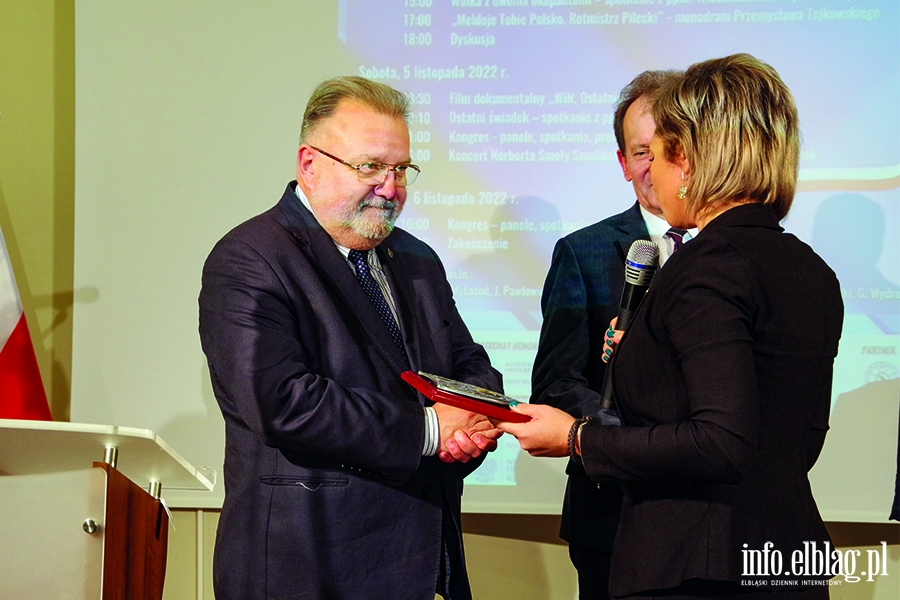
(333, 268)
(632, 228)
(404, 298)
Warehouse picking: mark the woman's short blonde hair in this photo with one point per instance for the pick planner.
(737, 124)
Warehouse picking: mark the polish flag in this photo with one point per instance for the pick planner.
(22, 393)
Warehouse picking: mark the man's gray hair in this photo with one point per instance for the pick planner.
(328, 94)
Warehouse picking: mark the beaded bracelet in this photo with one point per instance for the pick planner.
(573, 437)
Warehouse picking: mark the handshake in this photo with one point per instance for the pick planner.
(463, 411)
(541, 430)
(464, 435)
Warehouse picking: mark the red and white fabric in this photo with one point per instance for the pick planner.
(22, 393)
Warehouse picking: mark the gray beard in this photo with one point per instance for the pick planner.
(379, 230)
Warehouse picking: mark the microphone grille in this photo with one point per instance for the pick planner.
(643, 252)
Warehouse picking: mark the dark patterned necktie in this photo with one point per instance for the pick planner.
(361, 260)
(677, 236)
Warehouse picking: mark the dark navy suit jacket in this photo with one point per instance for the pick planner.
(581, 295)
(326, 492)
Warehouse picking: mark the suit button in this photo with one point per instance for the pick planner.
(427, 492)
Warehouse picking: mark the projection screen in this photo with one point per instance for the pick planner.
(187, 119)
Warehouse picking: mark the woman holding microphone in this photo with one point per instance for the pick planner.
(723, 379)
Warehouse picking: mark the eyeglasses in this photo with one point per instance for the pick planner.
(374, 173)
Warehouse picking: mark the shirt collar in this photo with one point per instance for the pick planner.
(373, 256)
(657, 227)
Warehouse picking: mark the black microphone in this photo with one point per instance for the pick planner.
(640, 267)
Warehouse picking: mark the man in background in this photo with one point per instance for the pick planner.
(339, 481)
(581, 295)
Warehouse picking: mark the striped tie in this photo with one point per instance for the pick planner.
(677, 236)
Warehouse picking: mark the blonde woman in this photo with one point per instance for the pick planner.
(723, 379)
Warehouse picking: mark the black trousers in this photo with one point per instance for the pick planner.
(593, 572)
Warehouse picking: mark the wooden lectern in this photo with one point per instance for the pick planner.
(74, 527)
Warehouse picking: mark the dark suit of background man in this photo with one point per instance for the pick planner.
(339, 483)
(581, 295)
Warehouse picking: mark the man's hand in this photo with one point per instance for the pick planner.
(464, 435)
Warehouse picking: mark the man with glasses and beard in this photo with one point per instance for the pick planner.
(340, 480)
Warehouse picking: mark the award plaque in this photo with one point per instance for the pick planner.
(464, 395)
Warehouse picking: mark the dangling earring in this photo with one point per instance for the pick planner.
(682, 191)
